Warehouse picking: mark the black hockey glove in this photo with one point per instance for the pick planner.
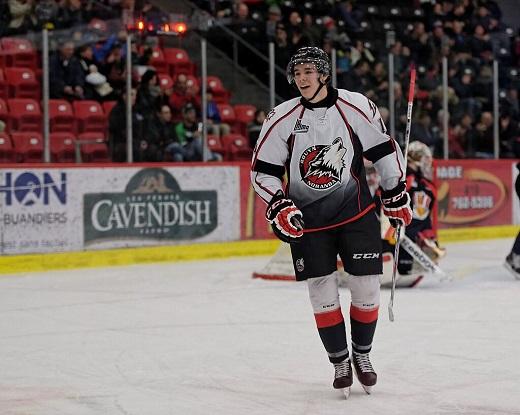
(396, 205)
(285, 218)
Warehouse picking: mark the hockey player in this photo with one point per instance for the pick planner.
(423, 195)
(513, 259)
(326, 208)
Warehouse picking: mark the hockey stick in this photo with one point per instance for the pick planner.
(424, 260)
(399, 226)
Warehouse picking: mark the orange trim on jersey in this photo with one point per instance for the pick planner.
(363, 316)
(329, 318)
(352, 219)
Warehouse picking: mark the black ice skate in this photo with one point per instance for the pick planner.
(513, 264)
(343, 376)
(364, 371)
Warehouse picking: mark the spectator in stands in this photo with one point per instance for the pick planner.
(46, 12)
(483, 139)
(114, 68)
(214, 120)
(255, 126)
(459, 137)
(161, 131)
(70, 14)
(274, 16)
(117, 130)
(357, 79)
(181, 96)
(148, 94)
(351, 16)
(189, 146)
(422, 130)
(311, 30)
(66, 77)
(509, 134)
(22, 18)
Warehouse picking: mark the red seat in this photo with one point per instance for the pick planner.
(165, 81)
(108, 106)
(28, 147)
(158, 61)
(24, 115)
(244, 114)
(4, 113)
(215, 144)
(19, 52)
(4, 88)
(178, 62)
(93, 147)
(63, 148)
(89, 116)
(237, 147)
(22, 83)
(216, 87)
(193, 84)
(61, 116)
(7, 154)
(227, 114)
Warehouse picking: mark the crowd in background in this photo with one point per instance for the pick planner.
(469, 33)
(166, 120)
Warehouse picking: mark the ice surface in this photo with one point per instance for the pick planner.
(205, 338)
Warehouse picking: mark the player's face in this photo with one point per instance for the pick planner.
(307, 79)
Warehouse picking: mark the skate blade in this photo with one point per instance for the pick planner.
(368, 389)
(346, 392)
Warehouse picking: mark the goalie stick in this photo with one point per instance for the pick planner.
(424, 260)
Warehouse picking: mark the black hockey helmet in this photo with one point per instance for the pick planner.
(309, 54)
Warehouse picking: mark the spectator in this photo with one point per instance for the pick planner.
(117, 130)
(148, 94)
(161, 131)
(422, 130)
(358, 78)
(255, 126)
(214, 120)
(311, 30)
(189, 145)
(274, 16)
(22, 19)
(181, 96)
(509, 134)
(483, 141)
(66, 77)
(70, 14)
(114, 68)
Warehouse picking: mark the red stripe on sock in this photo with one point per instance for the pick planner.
(329, 318)
(363, 316)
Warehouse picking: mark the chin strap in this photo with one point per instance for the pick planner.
(317, 91)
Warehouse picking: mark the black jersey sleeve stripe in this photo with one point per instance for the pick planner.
(378, 152)
(269, 168)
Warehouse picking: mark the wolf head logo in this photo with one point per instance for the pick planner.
(321, 166)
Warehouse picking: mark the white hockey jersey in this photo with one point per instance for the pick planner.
(321, 148)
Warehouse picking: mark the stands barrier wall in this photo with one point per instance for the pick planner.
(77, 216)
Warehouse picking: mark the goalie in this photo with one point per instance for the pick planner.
(423, 194)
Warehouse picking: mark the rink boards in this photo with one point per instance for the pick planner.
(63, 216)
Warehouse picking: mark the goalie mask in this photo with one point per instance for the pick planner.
(313, 55)
(420, 157)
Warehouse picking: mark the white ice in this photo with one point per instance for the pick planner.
(205, 338)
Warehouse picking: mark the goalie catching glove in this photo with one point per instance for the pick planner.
(285, 218)
(396, 205)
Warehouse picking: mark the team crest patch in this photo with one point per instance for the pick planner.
(300, 265)
(321, 166)
(421, 205)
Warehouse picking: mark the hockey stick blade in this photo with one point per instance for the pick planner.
(424, 260)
